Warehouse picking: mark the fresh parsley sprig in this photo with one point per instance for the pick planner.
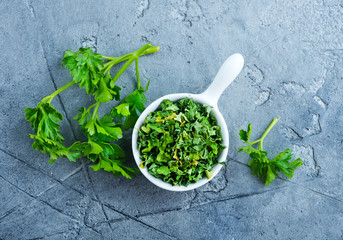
(91, 71)
(261, 166)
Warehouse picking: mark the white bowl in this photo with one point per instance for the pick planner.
(226, 74)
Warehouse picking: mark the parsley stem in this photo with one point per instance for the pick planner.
(151, 50)
(137, 74)
(272, 124)
(95, 111)
(252, 143)
(49, 98)
(128, 55)
(134, 55)
(115, 60)
(141, 50)
(91, 106)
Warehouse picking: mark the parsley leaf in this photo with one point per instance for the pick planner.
(44, 120)
(130, 105)
(85, 67)
(263, 167)
(105, 93)
(104, 128)
(107, 156)
(56, 149)
(123, 109)
(245, 135)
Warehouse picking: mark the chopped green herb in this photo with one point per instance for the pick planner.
(260, 165)
(180, 142)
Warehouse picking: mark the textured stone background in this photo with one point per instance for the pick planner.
(294, 70)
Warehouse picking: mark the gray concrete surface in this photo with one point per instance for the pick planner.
(294, 70)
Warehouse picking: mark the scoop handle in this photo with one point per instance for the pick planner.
(225, 76)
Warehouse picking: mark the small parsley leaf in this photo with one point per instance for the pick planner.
(44, 120)
(85, 67)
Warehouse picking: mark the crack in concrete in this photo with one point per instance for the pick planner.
(90, 183)
(315, 163)
(320, 102)
(200, 7)
(144, 6)
(43, 173)
(160, 212)
(139, 221)
(50, 235)
(238, 196)
(38, 199)
(193, 199)
(85, 217)
(189, 14)
(220, 189)
(55, 184)
(72, 173)
(202, 193)
(254, 74)
(307, 154)
(111, 221)
(41, 201)
(32, 11)
(315, 128)
(290, 133)
(264, 96)
(293, 87)
(78, 232)
(317, 192)
(10, 211)
(268, 44)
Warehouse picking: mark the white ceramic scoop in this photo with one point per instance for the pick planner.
(226, 74)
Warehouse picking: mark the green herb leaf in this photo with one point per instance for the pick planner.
(104, 93)
(245, 135)
(131, 104)
(263, 167)
(282, 162)
(43, 120)
(137, 99)
(85, 67)
(55, 148)
(123, 109)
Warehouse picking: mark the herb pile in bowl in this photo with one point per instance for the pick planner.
(180, 142)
